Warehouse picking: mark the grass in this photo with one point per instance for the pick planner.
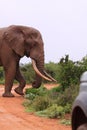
(65, 121)
(53, 103)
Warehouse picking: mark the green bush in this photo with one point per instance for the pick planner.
(31, 90)
(51, 103)
(69, 72)
(39, 99)
(58, 101)
(42, 91)
(2, 81)
(30, 93)
(67, 108)
(68, 96)
(26, 103)
(56, 89)
(55, 111)
(52, 69)
(65, 122)
(41, 102)
(66, 71)
(30, 96)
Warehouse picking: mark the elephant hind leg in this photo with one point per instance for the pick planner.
(22, 82)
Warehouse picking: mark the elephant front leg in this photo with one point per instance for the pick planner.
(22, 82)
(9, 78)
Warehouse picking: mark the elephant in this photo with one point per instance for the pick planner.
(17, 41)
(82, 127)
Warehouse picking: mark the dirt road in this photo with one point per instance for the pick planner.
(14, 117)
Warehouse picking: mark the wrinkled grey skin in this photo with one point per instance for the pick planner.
(16, 42)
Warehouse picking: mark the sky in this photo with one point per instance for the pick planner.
(62, 23)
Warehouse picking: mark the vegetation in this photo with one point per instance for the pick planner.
(66, 71)
(1, 76)
(50, 103)
(57, 102)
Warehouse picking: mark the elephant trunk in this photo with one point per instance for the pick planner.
(38, 66)
(40, 73)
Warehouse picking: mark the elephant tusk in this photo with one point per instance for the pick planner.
(38, 72)
(49, 76)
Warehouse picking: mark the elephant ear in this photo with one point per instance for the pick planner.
(14, 38)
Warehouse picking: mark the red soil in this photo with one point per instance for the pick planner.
(14, 117)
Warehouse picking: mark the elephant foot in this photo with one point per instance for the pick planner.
(19, 91)
(8, 95)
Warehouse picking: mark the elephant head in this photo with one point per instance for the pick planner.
(28, 41)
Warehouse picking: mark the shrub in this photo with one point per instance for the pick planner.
(69, 72)
(2, 81)
(55, 102)
(52, 69)
(56, 89)
(41, 102)
(54, 111)
(26, 103)
(30, 96)
(66, 71)
(68, 96)
(31, 93)
(65, 122)
(31, 90)
(51, 103)
(67, 108)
